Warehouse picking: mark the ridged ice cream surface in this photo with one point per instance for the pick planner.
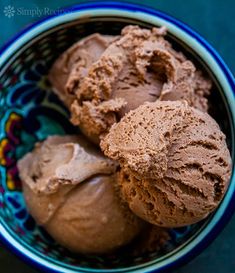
(175, 164)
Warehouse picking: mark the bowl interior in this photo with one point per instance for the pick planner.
(30, 112)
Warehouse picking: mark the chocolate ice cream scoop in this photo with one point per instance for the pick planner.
(175, 164)
(70, 189)
(139, 66)
(72, 66)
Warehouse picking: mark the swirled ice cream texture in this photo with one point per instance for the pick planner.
(70, 189)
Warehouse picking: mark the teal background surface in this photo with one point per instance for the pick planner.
(214, 20)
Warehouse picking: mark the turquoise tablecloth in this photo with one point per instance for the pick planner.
(214, 19)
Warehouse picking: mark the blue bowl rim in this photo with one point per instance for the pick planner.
(125, 6)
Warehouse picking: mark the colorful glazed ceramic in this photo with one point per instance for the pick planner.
(30, 112)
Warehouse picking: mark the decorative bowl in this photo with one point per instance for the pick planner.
(30, 112)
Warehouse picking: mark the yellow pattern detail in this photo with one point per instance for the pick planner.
(3, 144)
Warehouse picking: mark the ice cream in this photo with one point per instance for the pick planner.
(70, 189)
(72, 66)
(175, 164)
(167, 161)
(138, 66)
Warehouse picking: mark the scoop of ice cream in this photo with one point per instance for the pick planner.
(70, 189)
(140, 66)
(72, 66)
(175, 162)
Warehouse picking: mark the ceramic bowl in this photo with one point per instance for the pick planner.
(30, 112)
